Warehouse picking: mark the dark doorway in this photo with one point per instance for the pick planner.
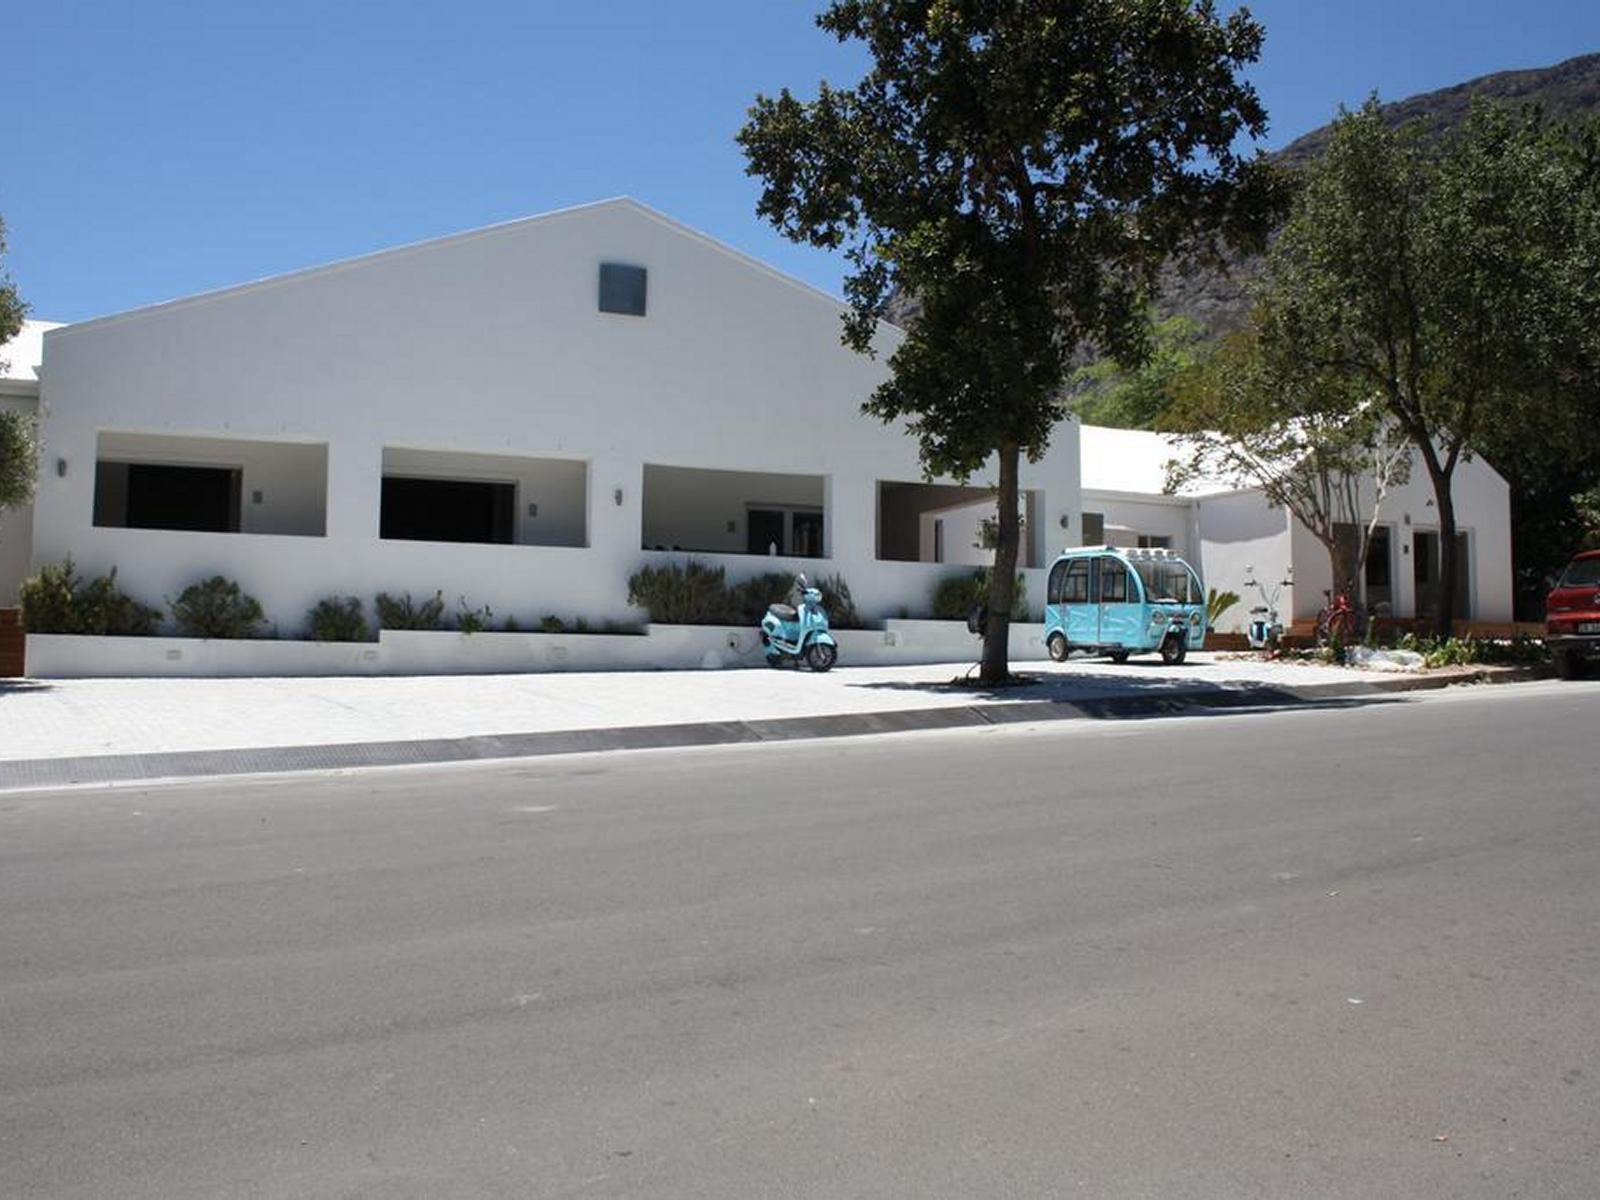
(765, 531)
(155, 496)
(448, 510)
(1429, 577)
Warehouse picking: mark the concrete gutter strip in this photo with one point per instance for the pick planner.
(133, 768)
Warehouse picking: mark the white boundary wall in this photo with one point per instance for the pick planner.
(414, 652)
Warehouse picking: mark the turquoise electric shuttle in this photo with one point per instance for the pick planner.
(1116, 602)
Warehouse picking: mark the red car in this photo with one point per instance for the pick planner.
(1572, 616)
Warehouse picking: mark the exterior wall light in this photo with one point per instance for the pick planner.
(617, 496)
(61, 468)
(1066, 520)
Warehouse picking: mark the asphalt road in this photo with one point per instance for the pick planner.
(1352, 952)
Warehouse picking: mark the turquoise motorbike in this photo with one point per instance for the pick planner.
(791, 632)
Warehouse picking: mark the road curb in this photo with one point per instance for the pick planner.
(33, 774)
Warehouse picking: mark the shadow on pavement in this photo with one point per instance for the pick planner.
(7, 686)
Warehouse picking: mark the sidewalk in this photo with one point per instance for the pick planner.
(78, 730)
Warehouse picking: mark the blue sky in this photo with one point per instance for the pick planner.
(159, 149)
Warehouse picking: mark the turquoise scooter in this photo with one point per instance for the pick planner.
(792, 633)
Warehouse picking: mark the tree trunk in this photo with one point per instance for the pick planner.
(996, 667)
(1344, 568)
(1448, 562)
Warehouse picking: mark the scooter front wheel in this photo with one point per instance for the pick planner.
(820, 656)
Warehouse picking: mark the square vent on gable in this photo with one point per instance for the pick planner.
(622, 289)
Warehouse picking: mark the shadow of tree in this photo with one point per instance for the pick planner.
(8, 686)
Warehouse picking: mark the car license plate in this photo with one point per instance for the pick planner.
(1589, 626)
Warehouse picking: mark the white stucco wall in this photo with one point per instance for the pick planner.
(1127, 517)
(1483, 512)
(1241, 535)
(489, 343)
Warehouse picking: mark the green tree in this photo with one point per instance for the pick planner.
(19, 448)
(1021, 169)
(1442, 283)
(1312, 441)
(1109, 393)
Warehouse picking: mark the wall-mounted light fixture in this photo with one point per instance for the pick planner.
(61, 467)
(616, 495)
(1066, 520)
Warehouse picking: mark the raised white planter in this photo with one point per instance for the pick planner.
(662, 647)
(71, 656)
(438, 652)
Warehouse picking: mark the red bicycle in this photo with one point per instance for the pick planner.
(1339, 623)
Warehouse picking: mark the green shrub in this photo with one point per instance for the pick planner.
(749, 600)
(958, 595)
(336, 620)
(216, 608)
(473, 620)
(57, 601)
(550, 623)
(690, 594)
(1458, 652)
(402, 613)
(838, 603)
(1217, 605)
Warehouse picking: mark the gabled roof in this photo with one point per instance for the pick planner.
(1135, 460)
(21, 356)
(578, 210)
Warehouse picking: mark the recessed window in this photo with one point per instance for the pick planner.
(448, 510)
(157, 496)
(210, 484)
(622, 289)
(492, 499)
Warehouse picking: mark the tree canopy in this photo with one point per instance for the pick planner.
(1107, 393)
(1447, 285)
(1312, 441)
(19, 452)
(1022, 169)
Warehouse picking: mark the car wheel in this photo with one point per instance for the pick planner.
(821, 655)
(1057, 645)
(1174, 649)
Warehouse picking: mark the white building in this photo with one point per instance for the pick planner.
(1225, 531)
(519, 417)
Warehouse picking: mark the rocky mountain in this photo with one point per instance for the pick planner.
(1219, 300)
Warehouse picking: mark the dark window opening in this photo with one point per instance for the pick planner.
(448, 510)
(807, 535)
(1094, 529)
(1069, 583)
(764, 531)
(622, 289)
(1113, 582)
(156, 496)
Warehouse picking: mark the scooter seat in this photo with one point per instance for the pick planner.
(784, 612)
